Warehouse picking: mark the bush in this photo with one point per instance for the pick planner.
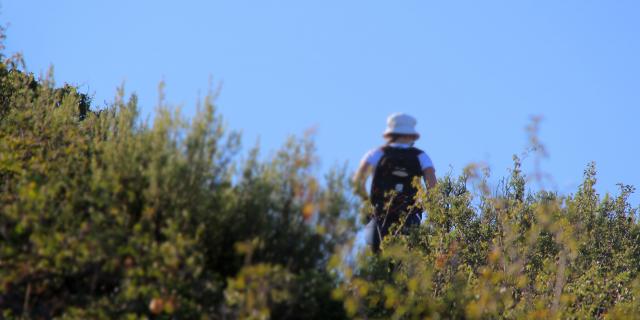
(507, 255)
(103, 215)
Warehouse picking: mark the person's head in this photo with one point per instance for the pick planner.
(401, 128)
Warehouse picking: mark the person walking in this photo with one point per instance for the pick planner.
(394, 166)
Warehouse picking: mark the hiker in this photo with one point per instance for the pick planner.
(394, 167)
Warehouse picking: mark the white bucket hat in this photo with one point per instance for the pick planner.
(401, 123)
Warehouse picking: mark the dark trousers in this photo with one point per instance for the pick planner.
(375, 230)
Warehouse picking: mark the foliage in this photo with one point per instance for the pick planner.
(508, 255)
(104, 216)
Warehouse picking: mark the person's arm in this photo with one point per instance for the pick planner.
(430, 177)
(360, 180)
(428, 171)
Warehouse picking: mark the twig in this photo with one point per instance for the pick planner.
(27, 296)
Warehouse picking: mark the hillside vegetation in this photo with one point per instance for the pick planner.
(105, 216)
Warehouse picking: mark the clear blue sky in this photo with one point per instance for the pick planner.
(472, 72)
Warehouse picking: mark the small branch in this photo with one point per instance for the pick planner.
(557, 292)
(27, 296)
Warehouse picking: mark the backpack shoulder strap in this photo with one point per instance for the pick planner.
(385, 151)
(415, 151)
(388, 150)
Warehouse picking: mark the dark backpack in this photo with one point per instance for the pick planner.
(393, 182)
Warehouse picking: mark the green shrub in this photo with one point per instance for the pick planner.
(103, 215)
(507, 255)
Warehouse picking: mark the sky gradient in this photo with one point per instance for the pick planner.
(472, 72)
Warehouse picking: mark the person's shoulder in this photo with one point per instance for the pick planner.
(377, 150)
(418, 150)
(425, 160)
(373, 156)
